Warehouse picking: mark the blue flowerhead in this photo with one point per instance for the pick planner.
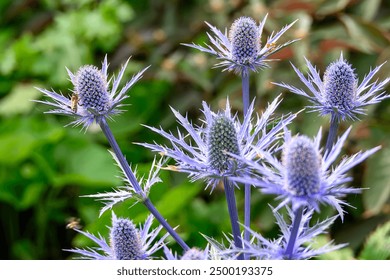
(340, 86)
(191, 254)
(302, 161)
(91, 87)
(126, 242)
(241, 50)
(244, 36)
(339, 94)
(305, 176)
(93, 96)
(205, 152)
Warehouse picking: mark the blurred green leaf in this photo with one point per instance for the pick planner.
(377, 179)
(341, 254)
(369, 36)
(19, 100)
(172, 202)
(331, 6)
(377, 246)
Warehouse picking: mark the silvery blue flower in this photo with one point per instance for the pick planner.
(92, 97)
(339, 93)
(206, 155)
(277, 249)
(126, 242)
(241, 51)
(191, 254)
(305, 177)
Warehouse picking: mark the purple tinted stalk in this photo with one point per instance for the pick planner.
(232, 208)
(294, 232)
(334, 125)
(247, 188)
(133, 180)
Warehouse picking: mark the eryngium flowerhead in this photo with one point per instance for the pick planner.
(208, 154)
(245, 39)
(126, 242)
(191, 254)
(221, 140)
(304, 177)
(303, 164)
(93, 97)
(241, 50)
(264, 249)
(339, 93)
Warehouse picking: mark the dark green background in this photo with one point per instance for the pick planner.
(46, 167)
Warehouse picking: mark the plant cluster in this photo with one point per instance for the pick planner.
(248, 152)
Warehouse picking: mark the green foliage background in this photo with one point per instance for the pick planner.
(45, 167)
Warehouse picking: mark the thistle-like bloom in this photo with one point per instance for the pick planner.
(126, 242)
(305, 177)
(191, 254)
(339, 94)
(207, 155)
(264, 249)
(241, 51)
(92, 98)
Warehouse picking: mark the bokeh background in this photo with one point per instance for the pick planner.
(45, 167)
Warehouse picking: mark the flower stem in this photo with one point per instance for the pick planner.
(133, 180)
(245, 92)
(294, 233)
(232, 208)
(334, 124)
(247, 188)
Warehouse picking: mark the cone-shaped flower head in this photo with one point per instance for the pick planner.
(244, 36)
(93, 97)
(302, 161)
(207, 152)
(340, 85)
(241, 51)
(304, 177)
(195, 254)
(339, 94)
(125, 240)
(222, 139)
(91, 87)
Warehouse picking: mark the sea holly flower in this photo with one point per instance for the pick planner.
(206, 155)
(126, 242)
(93, 97)
(306, 177)
(93, 100)
(339, 94)
(191, 254)
(277, 249)
(241, 50)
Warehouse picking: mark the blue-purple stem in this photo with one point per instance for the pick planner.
(133, 180)
(232, 208)
(294, 233)
(334, 125)
(247, 188)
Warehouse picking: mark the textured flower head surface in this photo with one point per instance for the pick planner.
(192, 254)
(207, 155)
(264, 249)
(339, 93)
(93, 97)
(241, 51)
(305, 177)
(126, 242)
